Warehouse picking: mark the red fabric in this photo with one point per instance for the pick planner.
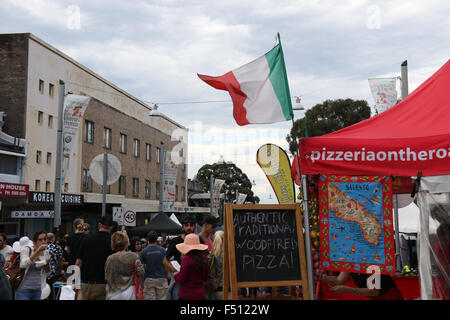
(408, 288)
(228, 82)
(191, 280)
(294, 171)
(420, 125)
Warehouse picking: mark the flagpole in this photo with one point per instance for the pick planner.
(304, 191)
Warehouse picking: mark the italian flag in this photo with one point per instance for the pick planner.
(259, 90)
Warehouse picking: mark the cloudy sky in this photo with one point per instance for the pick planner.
(154, 50)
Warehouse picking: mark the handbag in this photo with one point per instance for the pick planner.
(15, 273)
(137, 285)
(212, 282)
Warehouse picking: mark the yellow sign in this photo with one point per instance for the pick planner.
(277, 167)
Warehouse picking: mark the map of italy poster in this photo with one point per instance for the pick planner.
(356, 226)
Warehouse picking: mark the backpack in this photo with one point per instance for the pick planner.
(212, 283)
(14, 273)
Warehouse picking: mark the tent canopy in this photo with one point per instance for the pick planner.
(161, 223)
(412, 136)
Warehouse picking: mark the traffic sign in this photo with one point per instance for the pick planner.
(124, 216)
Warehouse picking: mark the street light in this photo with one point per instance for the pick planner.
(155, 112)
(304, 189)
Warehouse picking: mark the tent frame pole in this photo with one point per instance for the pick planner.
(398, 261)
(307, 236)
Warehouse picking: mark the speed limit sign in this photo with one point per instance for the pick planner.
(129, 217)
(124, 216)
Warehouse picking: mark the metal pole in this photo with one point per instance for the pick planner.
(398, 262)
(161, 185)
(307, 238)
(105, 179)
(304, 192)
(59, 153)
(397, 236)
(211, 193)
(404, 75)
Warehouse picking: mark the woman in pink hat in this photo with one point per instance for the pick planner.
(194, 268)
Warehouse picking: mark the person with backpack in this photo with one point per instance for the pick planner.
(35, 259)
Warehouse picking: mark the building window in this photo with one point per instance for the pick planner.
(148, 152)
(51, 89)
(157, 191)
(38, 156)
(40, 117)
(136, 147)
(158, 154)
(89, 132)
(176, 193)
(66, 187)
(123, 143)
(50, 121)
(135, 187)
(41, 86)
(37, 185)
(122, 185)
(183, 193)
(49, 158)
(87, 181)
(147, 189)
(107, 138)
(47, 186)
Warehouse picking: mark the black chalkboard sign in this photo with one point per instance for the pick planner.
(265, 245)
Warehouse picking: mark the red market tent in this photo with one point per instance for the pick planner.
(412, 136)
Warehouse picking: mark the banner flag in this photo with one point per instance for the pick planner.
(218, 183)
(276, 165)
(356, 225)
(384, 93)
(169, 183)
(74, 108)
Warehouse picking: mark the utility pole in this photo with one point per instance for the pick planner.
(105, 179)
(59, 152)
(404, 75)
(161, 185)
(211, 193)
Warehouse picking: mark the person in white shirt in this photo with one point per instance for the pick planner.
(6, 250)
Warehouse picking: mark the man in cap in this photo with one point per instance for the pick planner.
(209, 228)
(188, 226)
(91, 258)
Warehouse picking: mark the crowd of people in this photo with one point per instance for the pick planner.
(113, 266)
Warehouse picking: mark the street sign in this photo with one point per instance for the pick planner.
(124, 216)
(129, 217)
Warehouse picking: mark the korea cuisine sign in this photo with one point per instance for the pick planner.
(13, 190)
(49, 197)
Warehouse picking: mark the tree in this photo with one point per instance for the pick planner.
(234, 178)
(327, 117)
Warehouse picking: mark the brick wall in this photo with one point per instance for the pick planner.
(103, 116)
(13, 82)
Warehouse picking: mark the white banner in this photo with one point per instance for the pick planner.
(218, 183)
(241, 198)
(169, 183)
(74, 108)
(384, 93)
